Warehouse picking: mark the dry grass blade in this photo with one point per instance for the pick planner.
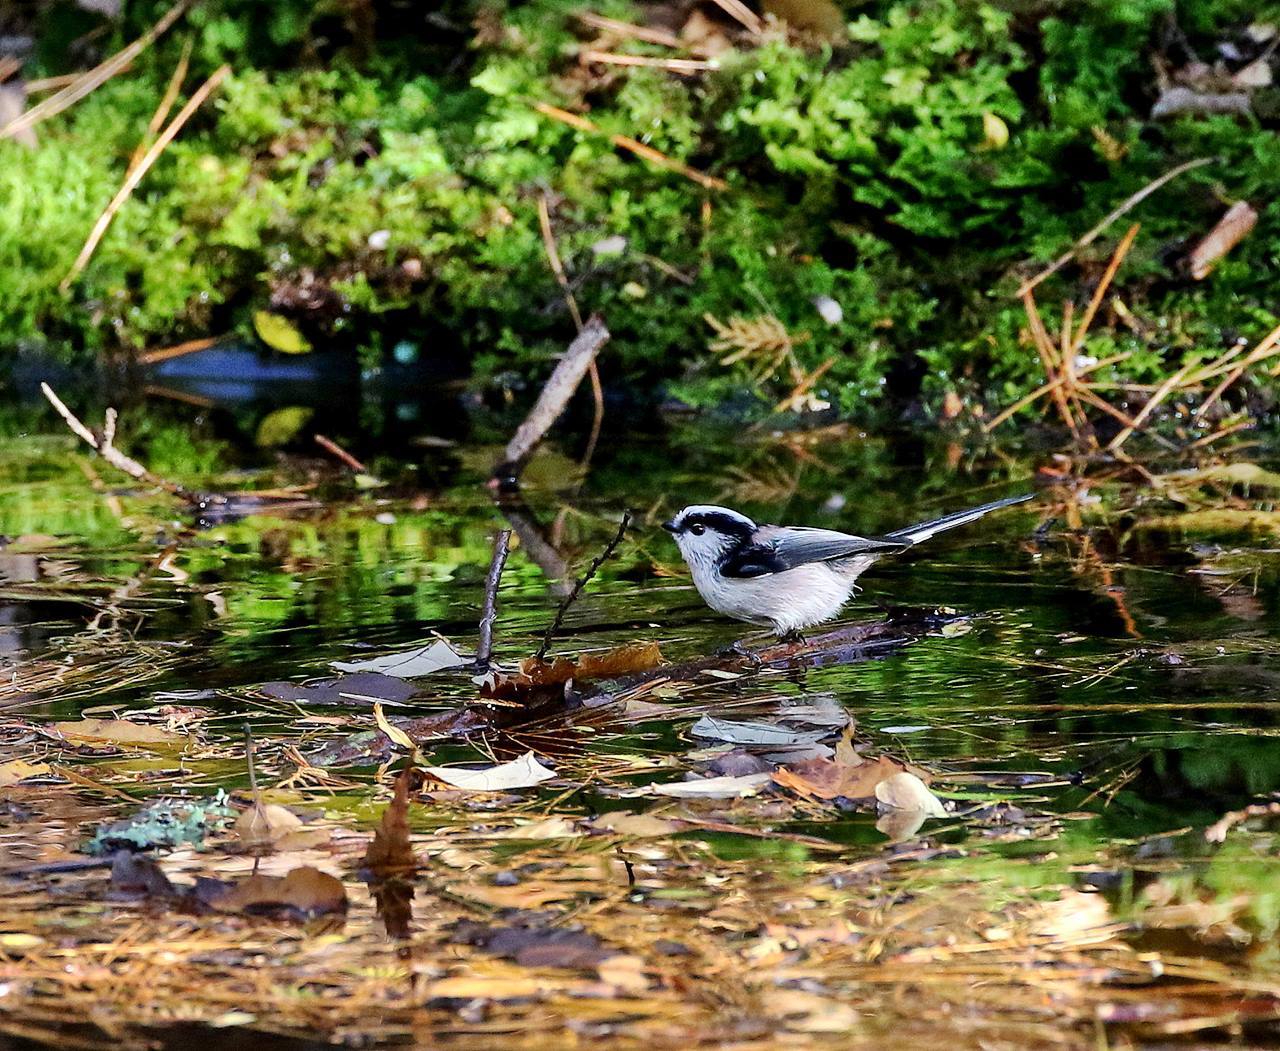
(1269, 347)
(1045, 349)
(166, 103)
(139, 170)
(671, 65)
(628, 31)
(87, 83)
(742, 14)
(1048, 388)
(1161, 392)
(625, 142)
(1099, 293)
(1124, 207)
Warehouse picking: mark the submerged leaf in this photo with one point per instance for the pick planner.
(264, 824)
(119, 731)
(282, 426)
(409, 664)
(519, 773)
(833, 779)
(16, 770)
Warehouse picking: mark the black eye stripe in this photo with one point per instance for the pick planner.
(728, 525)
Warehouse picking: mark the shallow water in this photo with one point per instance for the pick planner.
(1108, 667)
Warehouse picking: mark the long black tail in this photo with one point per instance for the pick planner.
(924, 530)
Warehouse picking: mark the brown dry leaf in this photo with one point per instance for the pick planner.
(527, 895)
(1231, 229)
(623, 660)
(390, 850)
(119, 731)
(304, 891)
(830, 778)
(16, 770)
(265, 825)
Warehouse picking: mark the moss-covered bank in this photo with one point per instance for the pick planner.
(373, 172)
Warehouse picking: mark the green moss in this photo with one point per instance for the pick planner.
(350, 171)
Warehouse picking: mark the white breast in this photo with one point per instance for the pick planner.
(790, 601)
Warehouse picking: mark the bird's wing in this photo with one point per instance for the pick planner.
(779, 549)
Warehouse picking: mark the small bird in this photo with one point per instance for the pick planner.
(789, 577)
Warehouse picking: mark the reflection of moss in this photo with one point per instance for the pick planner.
(859, 171)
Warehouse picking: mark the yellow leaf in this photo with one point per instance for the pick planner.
(282, 426)
(279, 333)
(16, 770)
(995, 132)
(118, 731)
(397, 735)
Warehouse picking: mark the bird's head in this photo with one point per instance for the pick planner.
(705, 533)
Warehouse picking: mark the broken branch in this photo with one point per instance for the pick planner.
(484, 650)
(555, 396)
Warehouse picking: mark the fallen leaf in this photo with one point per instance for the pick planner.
(1231, 229)
(397, 735)
(409, 664)
(832, 779)
(16, 770)
(119, 731)
(519, 773)
(304, 892)
(624, 973)
(390, 849)
(752, 733)
(349, 690)
(279, 333)
(905, 791)
(622, 660)
(714, 787)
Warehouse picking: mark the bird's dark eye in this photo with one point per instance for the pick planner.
(697, 530)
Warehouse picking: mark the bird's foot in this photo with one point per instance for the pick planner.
(795, 637)
(740, 649)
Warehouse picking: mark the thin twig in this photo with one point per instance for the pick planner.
(593, 371)
(92, 80)
(1047, 388)
(106, 448)
(625, 142)
(484, 650)
(139, 170)
(582, 582)
(1159, 395)
(1043, 344)
(334, 449)
(1125, 206)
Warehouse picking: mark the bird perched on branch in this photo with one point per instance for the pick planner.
(789, 577)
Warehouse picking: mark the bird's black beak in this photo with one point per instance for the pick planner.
(670, 527)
